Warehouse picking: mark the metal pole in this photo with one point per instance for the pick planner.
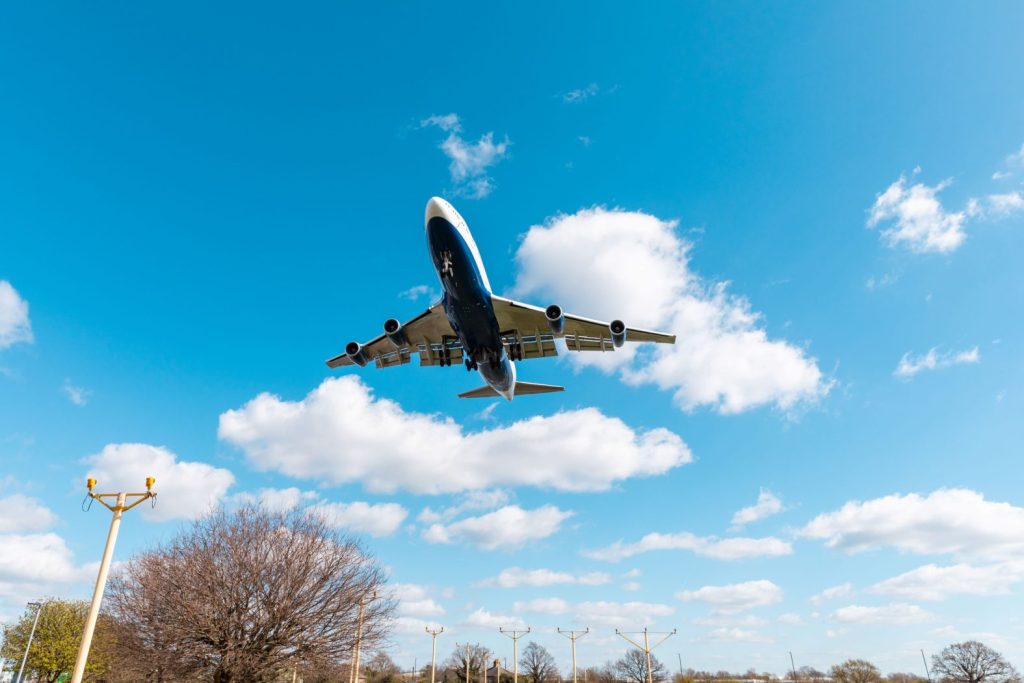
(97, 595)
(927, 673)
(647, 651)
(39, 608)
(433, 649)
(679, 654)
(515, 636)
(793, 665)
(574, 636)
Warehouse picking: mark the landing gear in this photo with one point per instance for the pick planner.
(515, 352)
(470, 364)
(447, 264)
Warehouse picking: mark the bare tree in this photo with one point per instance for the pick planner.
(245, 596)
(382, 669)
(455, 665)
(899, 677)
(856, 671)
(537, 664)
(633, 667)
(973, 662)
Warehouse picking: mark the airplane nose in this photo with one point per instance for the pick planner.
(437, 207)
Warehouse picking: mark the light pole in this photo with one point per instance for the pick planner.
(434, 633)
(515, 636)
(926, 671)
(120, 506)
(574, 636)
(792, 665)
(39, 609)
(646, 647)
(354, 674)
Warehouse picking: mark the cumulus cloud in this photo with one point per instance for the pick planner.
(1003, 205)
(418, 292)
(469, 161)
(843, 590)
(916, 219)
(708, 546)
(543, 606)
(382, 519)
(481, 618)
(472, 500)
(895, 613)
(634, 266)
(283, 500)
(911, 365)
(736, 635)
(932, 582)
(414, 600)
(508, 528)
(31, 561)
(605, 613)
(14, 323)
(342, 433)
(185, 489)
(767, 504)
(736, 597)
(77, 395)
(948, 521)
(515, 577)
(21, 513)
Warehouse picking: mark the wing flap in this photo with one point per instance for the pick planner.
(522, 389)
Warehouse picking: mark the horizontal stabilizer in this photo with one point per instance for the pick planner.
(522, 389)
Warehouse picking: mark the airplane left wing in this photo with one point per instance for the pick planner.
(429, 334)
(529, 326)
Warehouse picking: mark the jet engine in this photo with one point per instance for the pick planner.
(355, 352)
(396, 335)
(618, 330)
(556, 319)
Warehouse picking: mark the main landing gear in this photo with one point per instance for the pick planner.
(470, 364)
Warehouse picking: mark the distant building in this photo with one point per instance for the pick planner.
(497, 673)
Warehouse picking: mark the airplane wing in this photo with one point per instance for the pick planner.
(426, 334)
(528, 326)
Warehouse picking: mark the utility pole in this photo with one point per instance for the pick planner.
(680, 655)
(515, 636)
(646, 647)
(39, 608)
(467, 659)
(927, 673)
(120, 506)
(354, 673)
(574, 636)
(434, 633)
(793, 665)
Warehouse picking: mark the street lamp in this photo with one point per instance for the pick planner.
(39, 609)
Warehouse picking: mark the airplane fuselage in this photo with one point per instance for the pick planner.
(467, 296)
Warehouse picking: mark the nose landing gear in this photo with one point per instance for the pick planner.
(470, 364)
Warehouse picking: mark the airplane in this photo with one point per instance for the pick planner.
(471, 325)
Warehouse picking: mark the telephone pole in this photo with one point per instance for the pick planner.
(515, 636)
(574, 636)
(354, 673)
(434, 633)
(123, 502)
(792, 664)
(35, 622)
(927, 673)
(646, 647)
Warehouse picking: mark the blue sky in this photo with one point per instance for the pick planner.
(823, 201)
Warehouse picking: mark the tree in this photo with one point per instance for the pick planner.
(809, 673)
(245, 596)
(537, 664)
(973, 662)
(856, 671)
(56, 640)
(633, 667)
(382, 669)
(898, 677)
(455, 665)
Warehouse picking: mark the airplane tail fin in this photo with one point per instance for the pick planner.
(522, 388)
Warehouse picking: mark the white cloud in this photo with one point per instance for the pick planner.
(631, 586)
(620, 614)
(417, 292)
(283, 500)
(931, 582)
(482, 618)
(895, 613)
(843, 590)
(718, 619)
(948, 521)
(515, 577)
(935, 360)
(20, 513)
(14, 323)
(580, 94)
(634, 266)
(76, 395)
(185, 490)
(411, 626)
(543, 606)
(32, 564)
(918, 220)
(1003, 205)
(767, 504)
(381, 519)
(736, 597)
(508, 527)
(469, 160)
(414, 600)
(472, 500)
(341, 433)
(737, 635)
(790, 619)
(1016, 159)
(708, 546)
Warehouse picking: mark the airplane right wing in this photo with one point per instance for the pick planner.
(429, 334)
